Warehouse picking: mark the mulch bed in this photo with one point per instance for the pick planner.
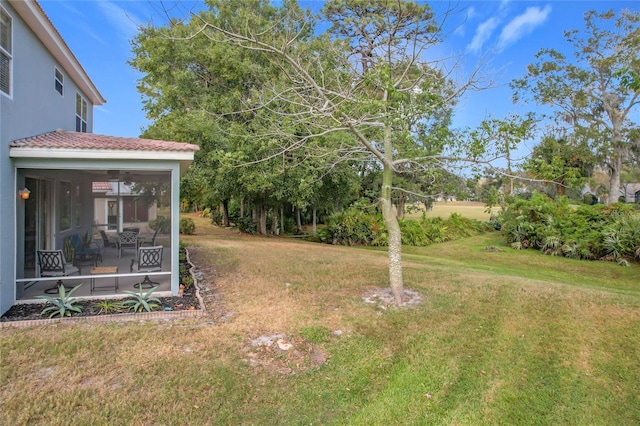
(91, 308)
(32, 311)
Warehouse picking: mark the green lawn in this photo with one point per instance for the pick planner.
(472, 210)
(501, 338)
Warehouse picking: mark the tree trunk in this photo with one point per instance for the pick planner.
(315, 218)
(614, 181)
(242, 208)
(298, 222)
(391, 221)
(281, 220)
(259, 217)
(261, 212)
(275, 230)
(225, 213)
(394, 235)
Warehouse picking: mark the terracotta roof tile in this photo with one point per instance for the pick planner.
(101, 186)
(63, 139)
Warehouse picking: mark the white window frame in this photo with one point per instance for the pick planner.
(8, 53)
(58, 81)
(82, 114)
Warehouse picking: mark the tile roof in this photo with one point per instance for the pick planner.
(64, 139)
(101, 186)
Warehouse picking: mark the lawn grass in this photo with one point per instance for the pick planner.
(469, 209)
(509, 337)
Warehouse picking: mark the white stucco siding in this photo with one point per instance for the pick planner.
(35, 106)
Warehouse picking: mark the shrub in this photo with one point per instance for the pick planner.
(141, 301)
(354, 227)
(187, 226)
(216, 217)
(413, 234)
(162, 222)
(586, 232)
(109, 306)
(622, 236)
(64, 304)
(245, 224)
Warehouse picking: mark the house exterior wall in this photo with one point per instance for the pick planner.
(33, 107)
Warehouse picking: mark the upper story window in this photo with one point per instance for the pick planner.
(58, 80)
(5, 51)
(81, 113)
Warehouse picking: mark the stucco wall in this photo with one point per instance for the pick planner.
(34, 107)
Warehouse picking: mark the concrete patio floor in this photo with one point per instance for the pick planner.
(104, 284)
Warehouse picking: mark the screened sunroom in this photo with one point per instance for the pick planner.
(96, 210)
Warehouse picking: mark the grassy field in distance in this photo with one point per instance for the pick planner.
(470, 209)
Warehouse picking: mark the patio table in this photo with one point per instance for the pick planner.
(97, 270)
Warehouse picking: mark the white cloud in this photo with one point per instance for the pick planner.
(471, 12)
(123, 21)
(504, 4)
(522, 25)
(483, 33)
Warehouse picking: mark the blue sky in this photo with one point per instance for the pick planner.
(504, 34)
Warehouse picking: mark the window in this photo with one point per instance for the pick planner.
(5, 52)
(81, 114)
(58, 80)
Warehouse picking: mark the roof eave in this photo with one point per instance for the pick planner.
(99, 154)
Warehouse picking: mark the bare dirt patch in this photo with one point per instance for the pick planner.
(383, 298)
(279, 353)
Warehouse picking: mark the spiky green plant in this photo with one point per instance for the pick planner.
(109, 306)
(64, 304)
(142, 301)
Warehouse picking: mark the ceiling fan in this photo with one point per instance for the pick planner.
(118, 176)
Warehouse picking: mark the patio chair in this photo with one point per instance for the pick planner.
(149, 260)
(105, 241)
(153, 239)
(127, 239)
(89, 254)
(131, 229)
(52, 264)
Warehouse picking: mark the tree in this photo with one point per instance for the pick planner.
(368, 80)
(596, 91)
(504, 135)
(191, 88)
(562, 161)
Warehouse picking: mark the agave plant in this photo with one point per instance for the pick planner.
(142, 301)
(64, 304)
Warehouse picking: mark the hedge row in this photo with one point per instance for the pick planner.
(583, 232)
(355, 227)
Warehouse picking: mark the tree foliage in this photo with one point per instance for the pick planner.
(595, 91)
(292, 103)
(562, 162)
